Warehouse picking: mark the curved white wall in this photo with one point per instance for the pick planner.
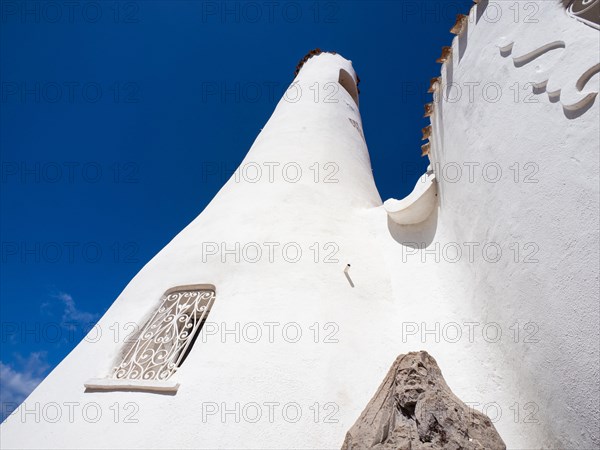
(548, 211)
(303, 130)
(397, 287)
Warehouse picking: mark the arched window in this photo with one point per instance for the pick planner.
(349, 84)
(165, 340)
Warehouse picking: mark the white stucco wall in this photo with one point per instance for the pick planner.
(303, 130)
(548, 211)
(554, 379)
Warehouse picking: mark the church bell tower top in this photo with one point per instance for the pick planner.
(323, 66)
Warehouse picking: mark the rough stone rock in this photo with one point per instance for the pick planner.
(415, 409)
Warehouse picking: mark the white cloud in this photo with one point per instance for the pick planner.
(20, 376)
(71, 315)
(17, 383)
(63, 305)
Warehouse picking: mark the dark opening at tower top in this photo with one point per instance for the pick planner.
(316, 52)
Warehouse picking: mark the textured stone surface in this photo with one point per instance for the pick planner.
(415, 409)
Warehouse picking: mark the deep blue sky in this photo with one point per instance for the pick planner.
(106, 128)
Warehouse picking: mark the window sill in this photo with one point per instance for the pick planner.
(109, 384)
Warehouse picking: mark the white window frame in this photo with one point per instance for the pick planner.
(163, 343)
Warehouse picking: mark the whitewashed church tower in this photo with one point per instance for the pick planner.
(270, 320)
